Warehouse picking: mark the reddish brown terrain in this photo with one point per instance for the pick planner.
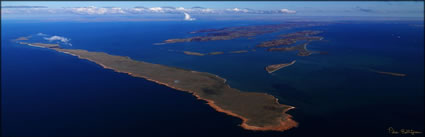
(258, 111)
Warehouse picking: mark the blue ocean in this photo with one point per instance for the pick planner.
(47, 93)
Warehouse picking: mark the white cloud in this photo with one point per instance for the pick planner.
(59, 38)
(156, 9)
(238, 10)
(26, 11)
(88, 10)
(187, 17)
(24, 7)
(92, 10)
(287, 11)
(53, 38)
(41, 34)
(137, 10)
(207, 10)
(116, 10)
(181, 8)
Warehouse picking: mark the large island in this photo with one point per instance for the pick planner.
(230, 33)
(258, 111)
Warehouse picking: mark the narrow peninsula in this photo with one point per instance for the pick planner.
(239, 51)
(193, 53)
(42, 45)
(22, 38)
(275, 67)
(216, 53)
(389, 73)
(258, 111)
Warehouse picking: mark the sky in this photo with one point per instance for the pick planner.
(363, 9)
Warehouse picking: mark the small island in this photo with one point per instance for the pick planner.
(22, 38)
(302, 33)
(239, 51)
(301, 48)
(287, 41)
(389, 73)
(292, 38)
(275, 67)
(193, 53)
(258, 111)
(304, 37)
(216, 53)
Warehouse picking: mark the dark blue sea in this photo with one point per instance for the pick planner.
(46, 93)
